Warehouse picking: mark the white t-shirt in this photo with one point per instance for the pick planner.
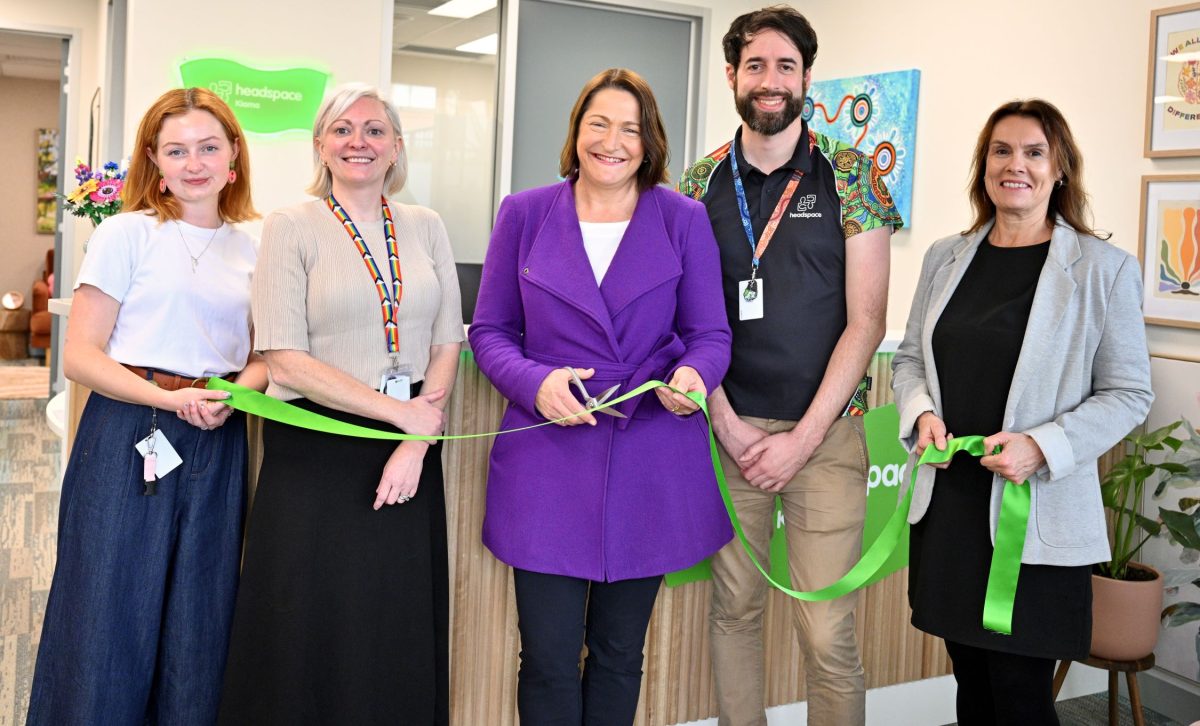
(600, 241)
(196, 324)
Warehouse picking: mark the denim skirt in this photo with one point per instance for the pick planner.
(137, 623)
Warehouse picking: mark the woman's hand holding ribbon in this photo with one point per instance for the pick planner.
(932, 430)
(419, 416)
(206, 415)
(685, 379)
(1020, 456)
(554, 398)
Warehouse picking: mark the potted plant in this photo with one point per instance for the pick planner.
(1127, 595)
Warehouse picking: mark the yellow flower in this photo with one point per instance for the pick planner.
(82, 191)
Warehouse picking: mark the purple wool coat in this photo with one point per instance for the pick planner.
(629, 497)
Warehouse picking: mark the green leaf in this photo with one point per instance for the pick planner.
(1182, 527)
(1173, 442)
(1157, 436)
(1180, 613)
(1173, 468)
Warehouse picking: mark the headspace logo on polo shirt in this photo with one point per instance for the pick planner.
(804, 206)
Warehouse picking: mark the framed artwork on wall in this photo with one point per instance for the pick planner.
(1173, 82)
(1169, 249)
(47, 180)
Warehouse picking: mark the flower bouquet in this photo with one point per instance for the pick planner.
(98, 195)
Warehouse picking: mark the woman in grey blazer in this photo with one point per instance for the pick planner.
(1028, 329)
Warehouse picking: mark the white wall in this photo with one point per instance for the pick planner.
(347, 40)
(1088, 57)
(28, 105)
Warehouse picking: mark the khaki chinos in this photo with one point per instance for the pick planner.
(824, 506)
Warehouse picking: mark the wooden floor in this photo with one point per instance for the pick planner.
(28, 526)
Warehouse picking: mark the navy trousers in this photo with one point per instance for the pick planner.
(556, 616)
(137, 624)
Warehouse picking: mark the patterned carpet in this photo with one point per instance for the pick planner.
(29, 454)
(1093, 710)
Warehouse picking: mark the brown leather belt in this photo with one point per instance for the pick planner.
(171, 381)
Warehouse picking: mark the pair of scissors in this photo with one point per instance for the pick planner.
(594, 402)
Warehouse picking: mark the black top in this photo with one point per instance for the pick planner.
(976, 344)
(978, 336)
(778, 361)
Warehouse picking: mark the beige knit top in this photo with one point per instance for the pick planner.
(312, 292)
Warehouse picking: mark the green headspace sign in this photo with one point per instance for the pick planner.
(264, 101)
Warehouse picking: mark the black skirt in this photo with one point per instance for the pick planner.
(342, 613)
(950, 552)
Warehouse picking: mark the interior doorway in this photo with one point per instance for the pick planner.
(32, 138)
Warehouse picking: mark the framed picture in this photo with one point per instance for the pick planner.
(1173, 82)
(47, 180)
(1169, 250)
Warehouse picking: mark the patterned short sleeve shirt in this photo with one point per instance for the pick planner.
(779, 361)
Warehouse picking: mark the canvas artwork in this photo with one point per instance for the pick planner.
(1177, 395)
(876, 114)
(47, 179)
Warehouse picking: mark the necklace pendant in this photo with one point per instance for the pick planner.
(194, 263)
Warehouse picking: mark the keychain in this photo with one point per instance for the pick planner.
(150, 460)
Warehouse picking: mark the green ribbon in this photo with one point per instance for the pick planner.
(1010, 535)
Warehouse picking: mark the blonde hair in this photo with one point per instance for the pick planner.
(342, 98)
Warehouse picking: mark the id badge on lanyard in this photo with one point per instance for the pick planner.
(750, 292)
(397, 379)
(396, 382)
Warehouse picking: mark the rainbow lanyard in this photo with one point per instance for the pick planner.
(389, 304)
(744, 210)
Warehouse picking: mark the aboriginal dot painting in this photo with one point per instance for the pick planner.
(876, 114)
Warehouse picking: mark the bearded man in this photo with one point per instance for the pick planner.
(803, 223)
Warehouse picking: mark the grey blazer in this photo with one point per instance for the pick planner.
(1082, 382)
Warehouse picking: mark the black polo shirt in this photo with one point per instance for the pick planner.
(779, 360)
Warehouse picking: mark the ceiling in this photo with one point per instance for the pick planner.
(415, 30)
(27, 55)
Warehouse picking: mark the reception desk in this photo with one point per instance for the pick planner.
(677, 686)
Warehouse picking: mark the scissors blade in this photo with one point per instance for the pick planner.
(599, 400)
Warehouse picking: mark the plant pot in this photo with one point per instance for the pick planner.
(1125, 615)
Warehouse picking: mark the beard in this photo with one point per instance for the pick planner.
(769, 123)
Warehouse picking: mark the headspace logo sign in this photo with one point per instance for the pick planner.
(889, 475)
(263, 101)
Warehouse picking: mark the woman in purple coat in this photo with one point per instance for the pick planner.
(617, 280)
